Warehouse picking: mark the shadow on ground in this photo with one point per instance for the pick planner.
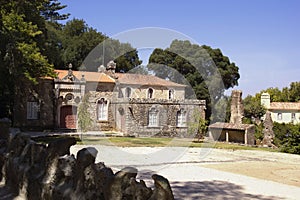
(192, 190)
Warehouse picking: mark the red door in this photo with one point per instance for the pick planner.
(68, 117)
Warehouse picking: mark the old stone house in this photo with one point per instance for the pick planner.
(129, 103)
(281, 112)
(234, 131)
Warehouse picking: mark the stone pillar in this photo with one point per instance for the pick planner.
(227, 136)
(246, 136)
(210, 135)
(268, 131)
(237, 108)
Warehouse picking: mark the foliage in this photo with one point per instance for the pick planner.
(86, 48)
(33, 43)
(50, 11)
(287, 94)
(253, 109)
(198, 126)
(221, 110)
(258, 134)
(22, 33)
(123, 54)
(207, 70)
(84, 117)
(287, 137)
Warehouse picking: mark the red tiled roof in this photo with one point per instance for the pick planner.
(221, 125)
(149, 80)
(89, 76)
(123, 78)
(284, 106)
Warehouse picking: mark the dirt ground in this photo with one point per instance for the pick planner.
(267, 170)
(203, 173)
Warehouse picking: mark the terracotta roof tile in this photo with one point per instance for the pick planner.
(140, 79)
(221, 125)
(285, 106)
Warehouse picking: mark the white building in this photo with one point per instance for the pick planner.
(282, 112)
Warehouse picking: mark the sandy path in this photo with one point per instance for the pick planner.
(196, 173)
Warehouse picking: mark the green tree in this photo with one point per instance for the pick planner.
(124, 55)
(22, 33)
(253, 110)
(287, 137)
(50, 11)
(207, 70)
(198, 126)
(294, 92)
(84, 117)
(86, 48)
(222, 110)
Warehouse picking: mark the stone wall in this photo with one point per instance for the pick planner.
(43, 94)
(135, 114)
(103, 125)
(159, 92)
(237, 108)
(35, 171)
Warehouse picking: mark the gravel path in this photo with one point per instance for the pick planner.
(192, 175)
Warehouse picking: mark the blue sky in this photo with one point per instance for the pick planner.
(260, 36)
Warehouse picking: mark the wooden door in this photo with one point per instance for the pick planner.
(68, 117)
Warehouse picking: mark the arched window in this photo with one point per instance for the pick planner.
(128, 92)
(153, 117)
(150, 93)
(171, 94)
(102, 109)
(181, 118)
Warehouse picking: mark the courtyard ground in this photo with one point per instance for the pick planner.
(196, 173)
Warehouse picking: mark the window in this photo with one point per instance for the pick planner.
(102, 110)
(32, 110)
(181, 118)
(153, 117)
(150, 93)
(128, 92)
(293, 116)
(171, 94)
(279, 116)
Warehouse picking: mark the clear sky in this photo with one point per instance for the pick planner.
(261, 36)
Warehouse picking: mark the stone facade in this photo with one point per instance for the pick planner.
(235, 130)
(133, 104)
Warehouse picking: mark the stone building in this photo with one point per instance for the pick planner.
(130, 103)
(234, 131)
(281, 112)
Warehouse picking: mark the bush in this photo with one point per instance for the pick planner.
(287, 137)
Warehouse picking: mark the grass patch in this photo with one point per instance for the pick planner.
(47, 139)
(151, 142)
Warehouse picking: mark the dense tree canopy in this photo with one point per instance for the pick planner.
(22, 33)
(34, 42)
(86, 48)
(207, 70)
(253, 110)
